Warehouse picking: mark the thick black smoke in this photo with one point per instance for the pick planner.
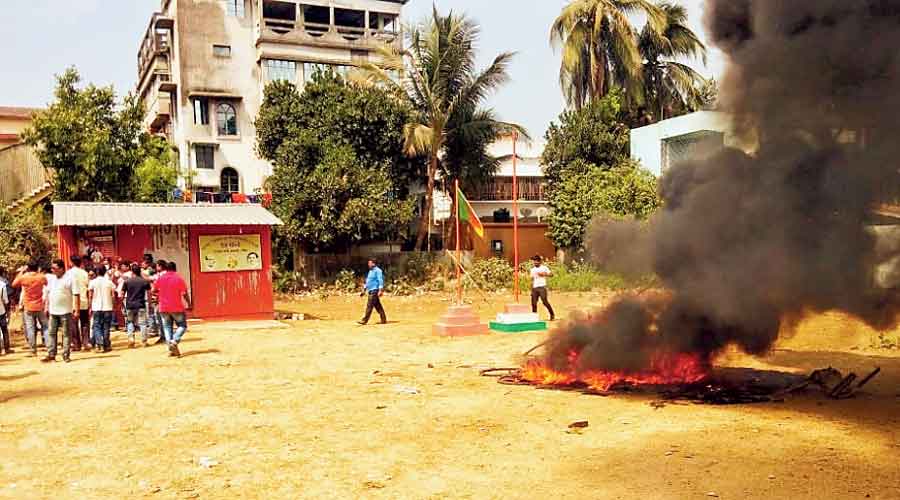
(748, 243)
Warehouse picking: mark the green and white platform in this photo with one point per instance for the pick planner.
(517, 318)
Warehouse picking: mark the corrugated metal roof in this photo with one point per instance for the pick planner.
(161, 214)
(17, 112)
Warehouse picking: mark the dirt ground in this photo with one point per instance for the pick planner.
(328, 409)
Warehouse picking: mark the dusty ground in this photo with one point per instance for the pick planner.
(327, 409)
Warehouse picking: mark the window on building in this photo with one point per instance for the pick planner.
(230, 181)
(310, 69)
(280, 70)
(685, 147)
(205, 156)
(226, 119)
(222, 50)
(234, 7)
(316, 14)
(201, 110)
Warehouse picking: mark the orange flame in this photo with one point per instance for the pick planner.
(664, 369)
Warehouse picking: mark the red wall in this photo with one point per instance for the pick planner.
(234, 293)
(225, 295)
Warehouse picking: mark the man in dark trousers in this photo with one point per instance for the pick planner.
(374, 289)
(539, 273)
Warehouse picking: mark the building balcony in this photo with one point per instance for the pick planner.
(156, 45)
(332, 27)
(325, 35)
(158, 109)
(501, 189)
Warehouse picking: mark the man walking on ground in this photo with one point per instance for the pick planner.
(539, 274)
(60, 301)
(4, 316)
(173, 297)
(102, 292)
(374, 289)
(81, 322)
(32, 284)
(161, 269)
(135, 290)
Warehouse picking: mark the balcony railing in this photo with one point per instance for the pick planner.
(530, 189)
(284, 30)
(155, 45)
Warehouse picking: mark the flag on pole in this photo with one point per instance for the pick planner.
(467, 214)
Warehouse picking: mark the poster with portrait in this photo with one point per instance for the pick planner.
(230, 253)
(97, 243)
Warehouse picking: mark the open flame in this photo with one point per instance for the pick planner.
(664, 369)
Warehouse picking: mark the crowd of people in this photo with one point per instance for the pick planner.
(85, 302)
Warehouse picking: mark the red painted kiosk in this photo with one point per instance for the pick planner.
(223, 251)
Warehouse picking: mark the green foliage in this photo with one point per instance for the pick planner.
(624, 190)
(589, 172)
(445, 93)
(346, 281)
(92, 144)
(577, 276)
(155, 179)
(670, 87)
(23, 238)
(340, 176)
(495, 274)
(417, 267)
(290, 282)
(596, 134)
(491, 275)
(602, 50)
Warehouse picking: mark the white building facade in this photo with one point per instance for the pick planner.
(203, 66)
(660, 146)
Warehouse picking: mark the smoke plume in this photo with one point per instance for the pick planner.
(749, 243)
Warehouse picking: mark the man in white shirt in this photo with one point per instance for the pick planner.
(81, 322)
(60, 300)
(539, 274)
(102, 291)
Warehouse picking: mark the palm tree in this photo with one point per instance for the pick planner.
(599, 47)
(668, 85)
(438, 77)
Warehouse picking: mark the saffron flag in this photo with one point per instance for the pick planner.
(467, 214)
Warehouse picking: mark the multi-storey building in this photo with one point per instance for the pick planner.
(203, 66)
(493, 203)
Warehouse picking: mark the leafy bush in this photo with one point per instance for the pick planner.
(490, 275)
(23, 238)
(289, 282)
(346, 281)
(417, 268)
(401, 286)
(579, 276)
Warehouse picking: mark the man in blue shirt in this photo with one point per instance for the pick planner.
(374, 288)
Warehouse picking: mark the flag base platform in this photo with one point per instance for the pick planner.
(459, 321)
(518, 318)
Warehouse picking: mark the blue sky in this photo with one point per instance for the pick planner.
(100, 38)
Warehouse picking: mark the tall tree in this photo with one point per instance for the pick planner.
(589, 172)
(671, 87)
(93, 145)
(600, 49)
(339, 170)
(445, 91)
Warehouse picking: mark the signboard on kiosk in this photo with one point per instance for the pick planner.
(230, 253)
